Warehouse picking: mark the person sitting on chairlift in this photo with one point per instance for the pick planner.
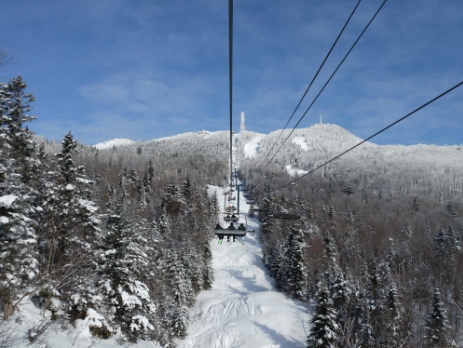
(231, 227)
(218, 227)
(233, 216)
(241, 227)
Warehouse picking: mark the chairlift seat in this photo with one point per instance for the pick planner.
(230, 218)
(227, 232)
(285, 216)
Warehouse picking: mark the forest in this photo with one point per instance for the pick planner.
(121, 235)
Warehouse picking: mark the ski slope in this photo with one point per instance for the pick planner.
(251, 148)
(243, 308)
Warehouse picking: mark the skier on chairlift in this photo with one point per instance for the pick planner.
(231, 227)
(218, 227)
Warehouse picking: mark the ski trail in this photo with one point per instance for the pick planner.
(243, 308)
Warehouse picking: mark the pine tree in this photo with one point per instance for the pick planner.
(393, 334)
(295, 271)
(208, 273)
(324, 330)
(177, 316)
(18, 240)
(437, 325)
(69, 234)
(128, 302)
(340, 289)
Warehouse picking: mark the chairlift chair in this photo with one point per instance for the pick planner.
(234, 232)
(286, 216)
(232, 218)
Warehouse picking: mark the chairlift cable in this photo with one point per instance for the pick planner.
(230, 72)
(372, 136)
(313, 79)
(328, 81)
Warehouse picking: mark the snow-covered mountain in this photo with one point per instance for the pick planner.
(243, 307)
(115, 142)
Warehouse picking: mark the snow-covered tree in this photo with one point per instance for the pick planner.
(69, 234)
(393, 332)
(127, 301)
(437, 325)
(324, 330)
(18, 240)
(295, 272)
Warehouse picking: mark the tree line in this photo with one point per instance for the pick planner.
(118, 238)
(383, 265)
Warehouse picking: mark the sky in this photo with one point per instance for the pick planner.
(149, 69)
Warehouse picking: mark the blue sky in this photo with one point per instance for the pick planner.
(148, 69)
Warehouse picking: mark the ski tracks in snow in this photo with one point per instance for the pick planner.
(243, 309)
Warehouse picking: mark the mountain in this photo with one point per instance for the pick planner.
(115, 142)
(376, 209)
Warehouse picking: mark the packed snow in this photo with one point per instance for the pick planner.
(251, 148)
(243, 308)
(301, 142)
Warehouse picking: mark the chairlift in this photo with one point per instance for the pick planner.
(232, 218)
(250, 201)
(231, 230)
(286, 216)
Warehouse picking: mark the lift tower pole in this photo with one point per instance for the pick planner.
(230, 64)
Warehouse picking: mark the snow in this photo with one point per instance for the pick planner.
(115, 142)
(242, 309)
(301, 142)
(251, 148)
(7, 200)
(89, 205)
(293, 171)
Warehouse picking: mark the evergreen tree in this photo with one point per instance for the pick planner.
(178, 285)
(127, 303)
(18, 240)
(437, 325)
(295, 271)
(324, 330)
(69, 234)
(393, 334)
(208, 273)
